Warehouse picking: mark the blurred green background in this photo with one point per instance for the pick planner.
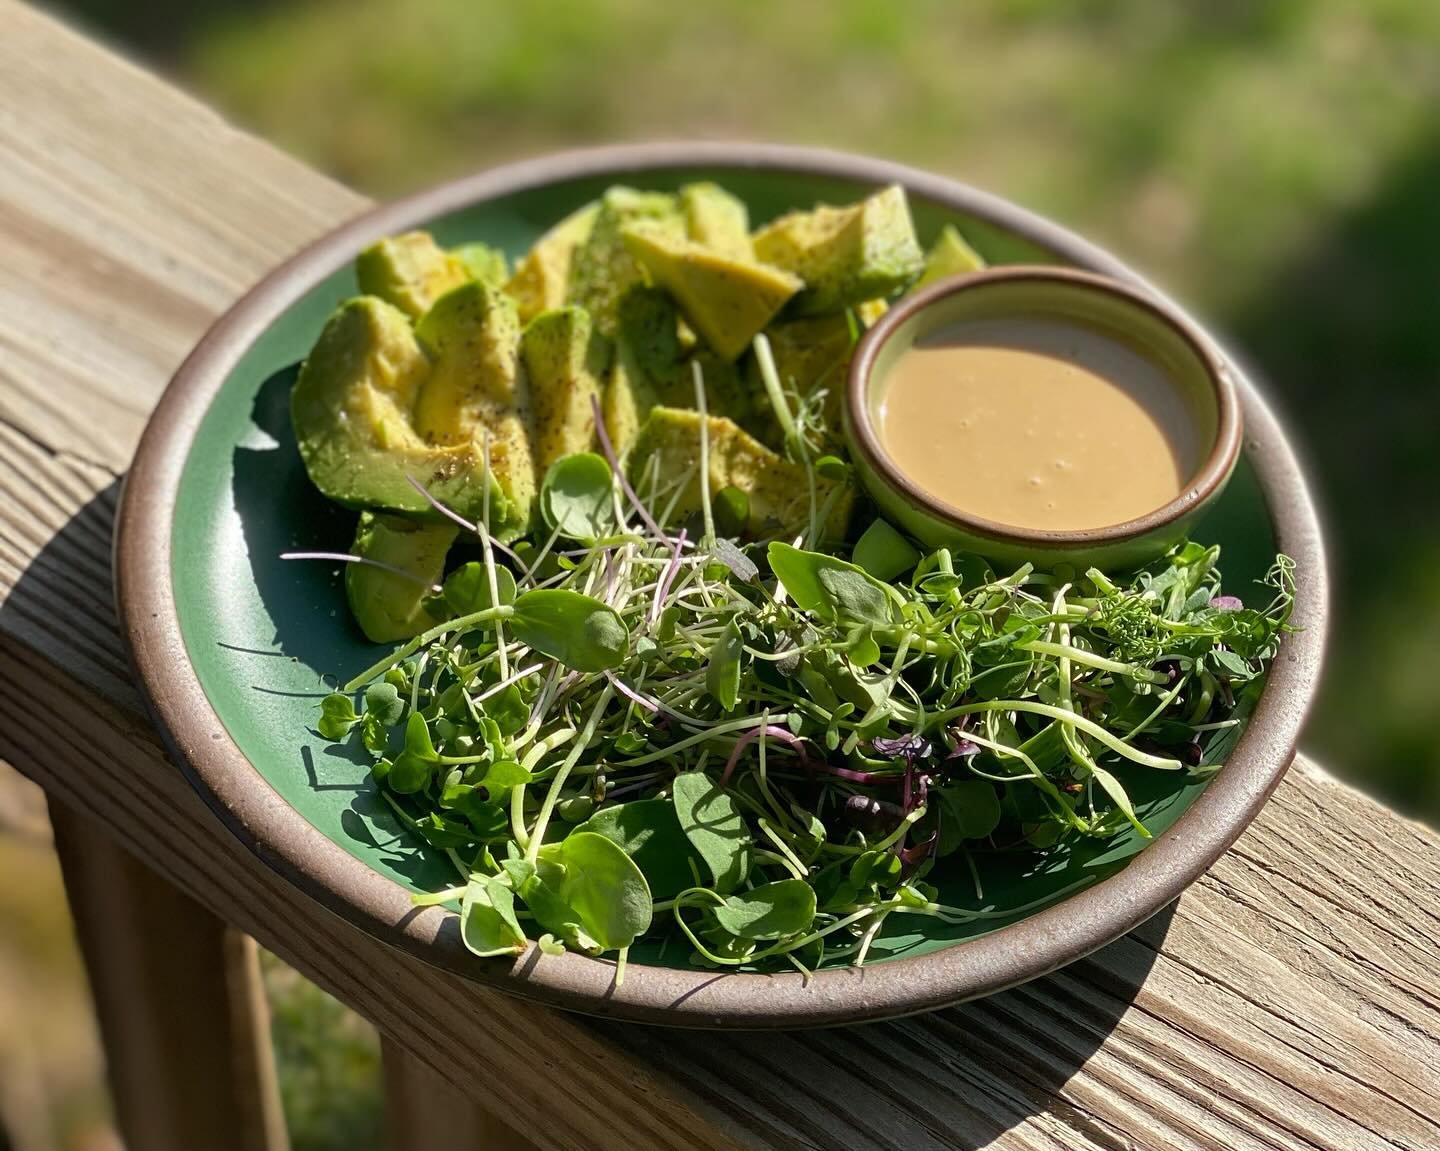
(1273, 164)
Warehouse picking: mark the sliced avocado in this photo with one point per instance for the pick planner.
(387, 605)
(564, 359)
(602, 271)
(648, 323)
(845, 255)
(811, 354)
(870, 311)
(627, 398)
(484, 263)
(351, 410)
(542, 277)
(718, 220)
(728, 392)
(647, 354)
(726, 300)
(651, 367)
(777, 490)
(949, 255)
(410, 271)
(476, 386)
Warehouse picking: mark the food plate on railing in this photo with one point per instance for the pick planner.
(502, 570)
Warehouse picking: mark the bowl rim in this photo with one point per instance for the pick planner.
(283, 839)
(1207, 480)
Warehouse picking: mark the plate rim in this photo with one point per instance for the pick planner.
(284, 840)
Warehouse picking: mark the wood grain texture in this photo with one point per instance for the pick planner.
(423, 1112)
(1288, 1001)
(178, 995)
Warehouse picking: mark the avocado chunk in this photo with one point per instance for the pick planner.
(351, 411)
(647, 354)
(651, 367)
(410, 271)
(845, 255)
(542, 278)
(475, 388)
(602, 270)
(389, 606)
(728, 392)
(778, 492)
(564, 359)
(484, 263)
(718, 220)
(811, 354)
(870, 311)
(949, 255)
(726, 300)
(627, 398)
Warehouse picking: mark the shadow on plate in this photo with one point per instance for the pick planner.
(280, 510)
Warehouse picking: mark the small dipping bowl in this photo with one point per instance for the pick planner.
(1107, 308)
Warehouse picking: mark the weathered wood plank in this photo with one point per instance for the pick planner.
(1288, 1002)
(178, 995)
(423, 1112)
(1249, 1018)
(130, 215)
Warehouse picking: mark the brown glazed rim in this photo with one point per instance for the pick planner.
(285, 841)
(1209, 477)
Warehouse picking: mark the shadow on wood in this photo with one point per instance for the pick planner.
(1012, 1052)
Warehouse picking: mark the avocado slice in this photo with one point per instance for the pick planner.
(543, 276)
(647, 353)
(484, 263)
(949, 255)
(351, 408)
(728, 392)
(870, 311)
(472, 335)
(564, 359)
(651, 367)
(387, 605)
(813, 353)
(410, 271)
(627, 398)
(777, 489)
(718, 220)
(602, 270)
(845, 255)
(726, 300)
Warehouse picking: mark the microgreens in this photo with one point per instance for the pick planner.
(774, 744)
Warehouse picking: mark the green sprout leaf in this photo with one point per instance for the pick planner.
(722, 672)
(884, 552)
(769, 911)
(337, 716)
(578, 631)
(589, 893)
(575, 497)
(488, 925)
(411, 769)
(836, 591)
(715, 828)
(467, 588)
(649, 832)
(382, 700)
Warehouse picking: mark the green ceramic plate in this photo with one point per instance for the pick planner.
(231, 643)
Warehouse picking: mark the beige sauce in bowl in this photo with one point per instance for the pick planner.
(1038, 423)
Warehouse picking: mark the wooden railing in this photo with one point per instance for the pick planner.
(1291, 999)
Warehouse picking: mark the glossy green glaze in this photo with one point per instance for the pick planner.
(269, 638)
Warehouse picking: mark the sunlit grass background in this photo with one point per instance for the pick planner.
(1274, 164)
